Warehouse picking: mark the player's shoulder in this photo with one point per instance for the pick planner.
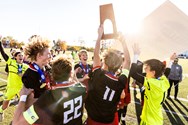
(79, 86)
(76, 65)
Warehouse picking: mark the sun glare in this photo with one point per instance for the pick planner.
(132, 28)
(128, 19)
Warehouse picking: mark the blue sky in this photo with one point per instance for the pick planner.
(71, 20)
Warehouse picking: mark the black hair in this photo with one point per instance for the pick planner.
(16, 53)
(157, 66)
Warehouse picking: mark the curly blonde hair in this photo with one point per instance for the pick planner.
(36, 45)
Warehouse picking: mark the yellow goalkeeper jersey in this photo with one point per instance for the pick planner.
(155, 91)
(14, 76)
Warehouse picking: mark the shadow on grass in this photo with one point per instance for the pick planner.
(183, 114)
(182, 105)
(2, 88)
(170, 117)
(173, 115)
(137, 107)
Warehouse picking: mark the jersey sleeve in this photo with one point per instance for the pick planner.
(76, 66)
(134, 73)
(167, 72)
(29, 80)
(4, 55)
(123, 78)
(9, 60)
(80, 74)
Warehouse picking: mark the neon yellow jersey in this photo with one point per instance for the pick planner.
(14, 79)
(153, 97)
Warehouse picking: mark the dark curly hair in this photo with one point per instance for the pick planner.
(61, 69)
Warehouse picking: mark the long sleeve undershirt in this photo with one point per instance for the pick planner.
(135, 75)
(139, 77)
(4, 55)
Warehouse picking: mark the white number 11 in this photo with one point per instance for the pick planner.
(107, 92)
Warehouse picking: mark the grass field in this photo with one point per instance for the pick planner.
(174, 112)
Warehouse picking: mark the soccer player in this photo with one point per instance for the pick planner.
(84, 66)
(63, 105)
(14, 83)
(37, 50)
(155, 85)
(104, 87)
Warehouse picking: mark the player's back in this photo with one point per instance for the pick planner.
(64, 105)
(104, 94)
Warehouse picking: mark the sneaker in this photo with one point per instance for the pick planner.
(1, 117)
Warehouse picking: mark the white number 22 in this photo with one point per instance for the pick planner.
(73, 109)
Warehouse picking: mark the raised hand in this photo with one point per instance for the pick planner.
(78, 70)
(136, 49)
(173, 56)
(100, 31)
(121, 37)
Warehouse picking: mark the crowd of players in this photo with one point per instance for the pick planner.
(56, 91)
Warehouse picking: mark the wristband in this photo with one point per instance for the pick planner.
(23, 98)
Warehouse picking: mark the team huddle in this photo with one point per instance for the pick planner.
(61, 94)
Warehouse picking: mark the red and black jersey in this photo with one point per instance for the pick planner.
(86, 69)
(103, 95)
(31, 79)
(61, 106)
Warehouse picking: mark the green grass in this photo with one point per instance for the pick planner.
(133, 109)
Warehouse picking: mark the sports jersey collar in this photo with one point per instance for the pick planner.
(107, 73)
(19, 68)
(86, 70)
(96, 67)
(111, 76)
(32, 67)
(64, 84)
(36, 68)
